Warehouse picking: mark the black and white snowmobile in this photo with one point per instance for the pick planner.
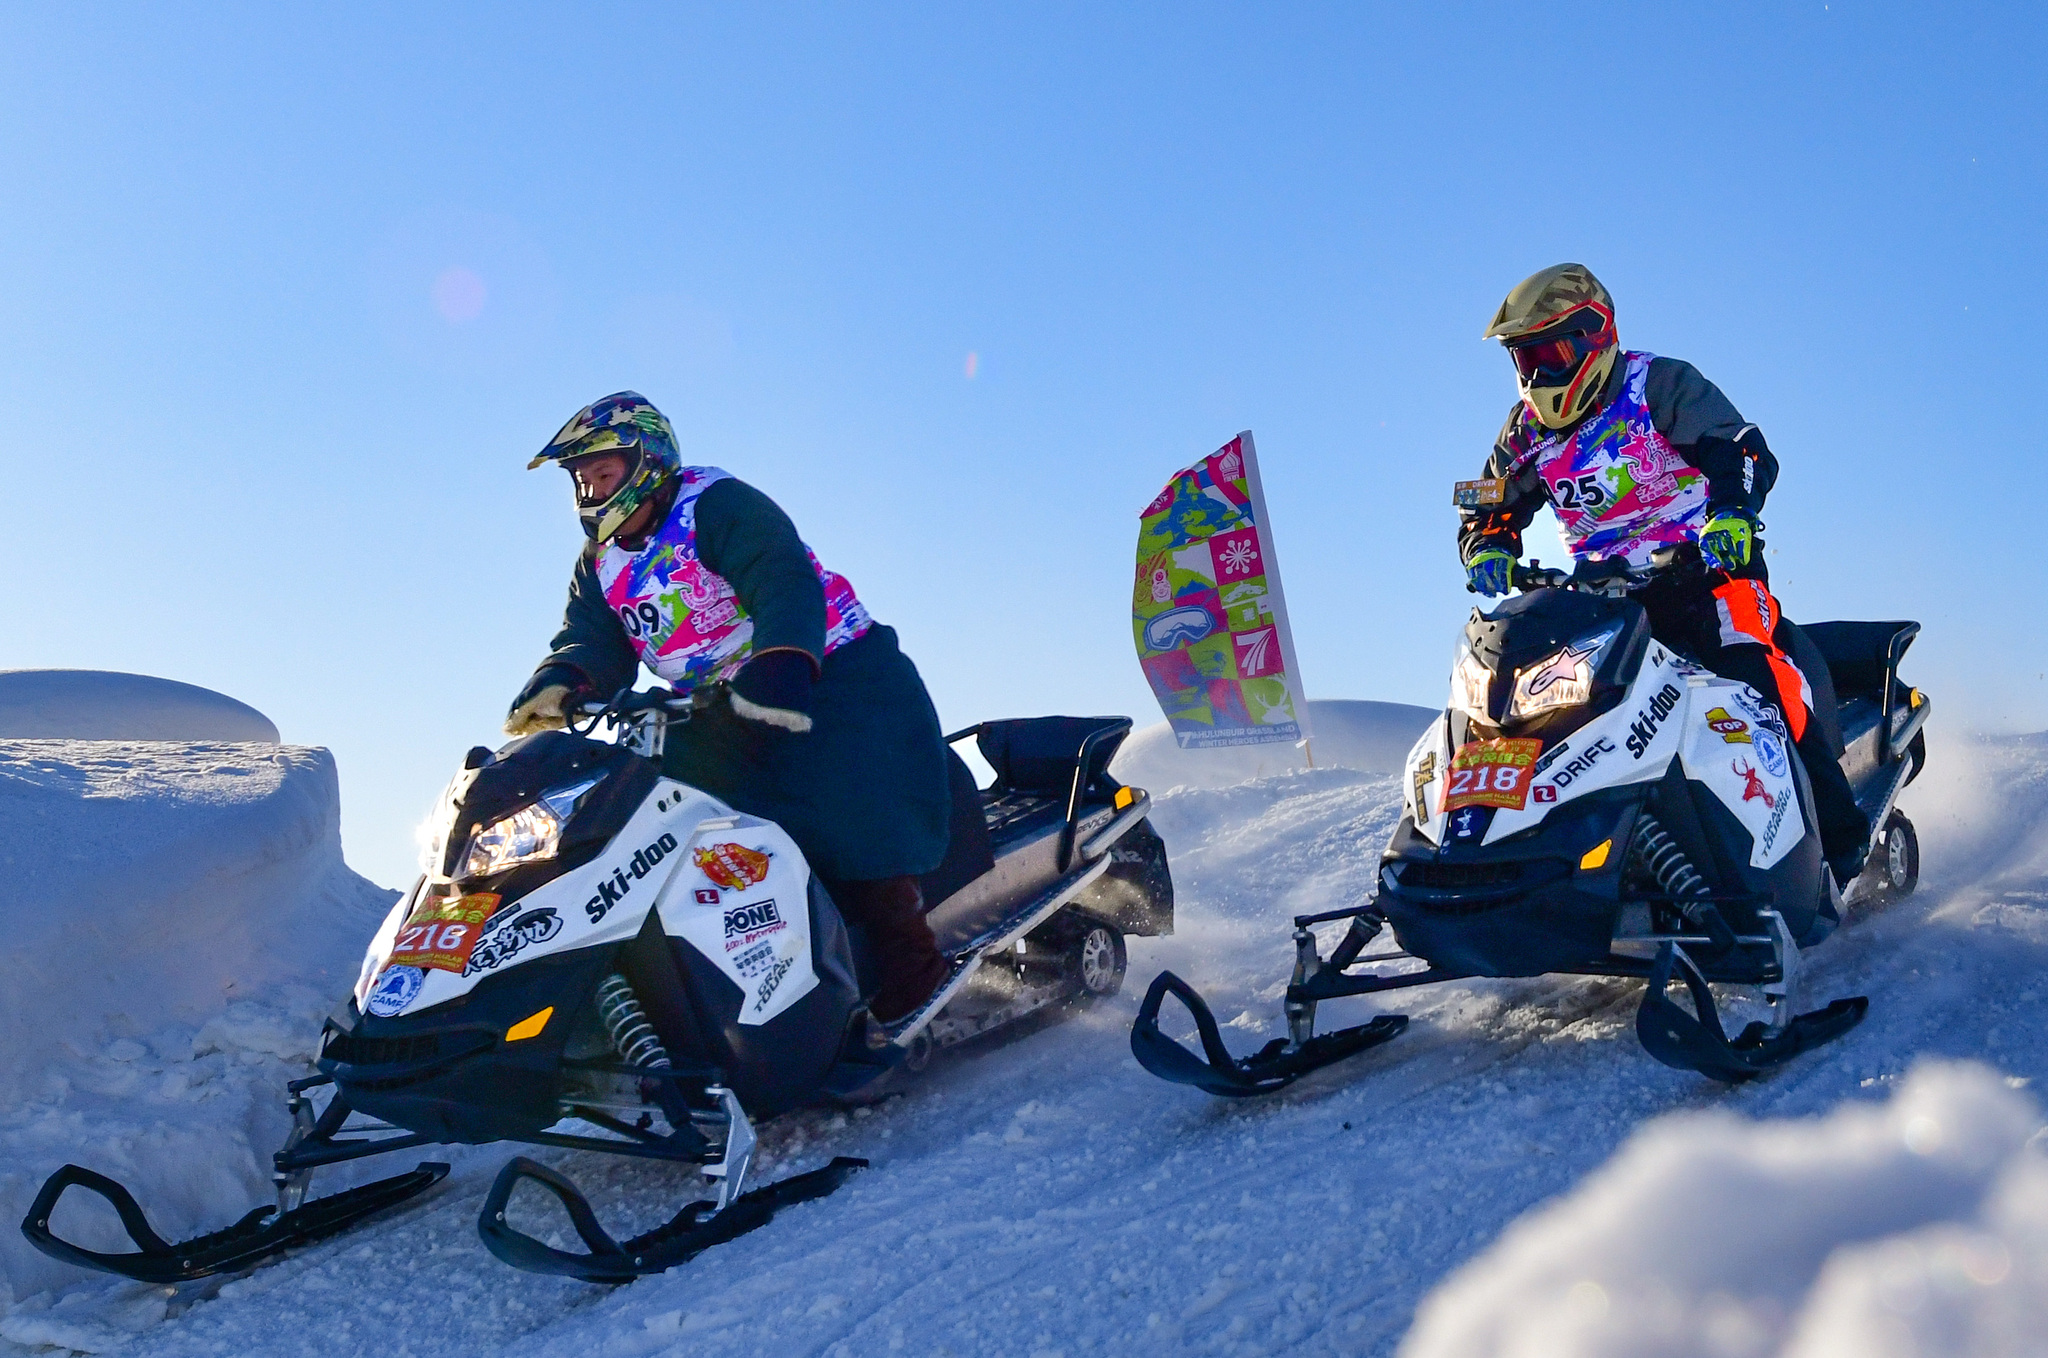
(1593, 802)
(609, 960)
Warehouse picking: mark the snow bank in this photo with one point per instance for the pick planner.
(178, 917)
(1370, 737)
(103, 705)
(1917, 1227)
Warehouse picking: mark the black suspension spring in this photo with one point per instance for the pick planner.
(632, 1035)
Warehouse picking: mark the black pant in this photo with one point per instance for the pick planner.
(1684, 615)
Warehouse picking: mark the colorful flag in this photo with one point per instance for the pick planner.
(1207, 611)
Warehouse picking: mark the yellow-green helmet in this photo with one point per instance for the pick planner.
(1558, 325)
(627, 423)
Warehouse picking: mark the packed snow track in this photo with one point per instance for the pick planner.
(1046, 1196)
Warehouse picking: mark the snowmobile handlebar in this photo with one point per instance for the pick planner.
(1612, 578)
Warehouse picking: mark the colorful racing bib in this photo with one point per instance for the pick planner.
(1617, 486)
(682, 617)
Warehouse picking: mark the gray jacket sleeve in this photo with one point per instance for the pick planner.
(591, 641)
(745, 537)
(1706, 430)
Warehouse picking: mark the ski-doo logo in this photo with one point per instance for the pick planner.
(747, 919)
(1643, 729)
(1574, 769)
(614, 888)
(506, 942)
(771, 981)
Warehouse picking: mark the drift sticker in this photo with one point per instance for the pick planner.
(1492, 773)
(733, 866)
(394, 990)
(442, 931)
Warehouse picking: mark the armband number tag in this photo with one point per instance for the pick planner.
(1489, 490)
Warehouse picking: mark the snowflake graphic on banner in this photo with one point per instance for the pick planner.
(1237, 558)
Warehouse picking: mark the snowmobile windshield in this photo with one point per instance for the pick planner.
(1551, 357)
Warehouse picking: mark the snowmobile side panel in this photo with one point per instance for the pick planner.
(1135, 893)
(1216, 1071)
(248, 1241)
(689, 1233)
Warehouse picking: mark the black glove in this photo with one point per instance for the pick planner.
(548, 700)
(775, 689)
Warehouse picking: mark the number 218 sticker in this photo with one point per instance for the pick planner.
(1492, 773)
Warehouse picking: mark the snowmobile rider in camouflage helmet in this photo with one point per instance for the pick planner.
(1633, 452)
(818, 722)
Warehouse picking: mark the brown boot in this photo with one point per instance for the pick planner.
(891, 909)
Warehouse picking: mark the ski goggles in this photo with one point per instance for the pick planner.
(1550, 359)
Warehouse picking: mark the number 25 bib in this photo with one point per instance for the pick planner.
(1617, 486)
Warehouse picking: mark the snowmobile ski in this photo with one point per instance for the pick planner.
(689, 1233)
(1697, 1042)
(1274, 1066)
(242, 1245)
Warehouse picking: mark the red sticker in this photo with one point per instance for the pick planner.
(441, 932)
(1492, 773)
(733, 866)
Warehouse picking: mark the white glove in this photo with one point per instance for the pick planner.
(541, 712)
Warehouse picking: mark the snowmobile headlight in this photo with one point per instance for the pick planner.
(1564, 679)
(528, 835)
(1470, 681)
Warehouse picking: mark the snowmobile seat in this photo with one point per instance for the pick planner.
(970, 851)
(1863, 661)
(1862, 657)
(1048, 770)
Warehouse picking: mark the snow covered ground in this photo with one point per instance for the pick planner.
(1048, 1197)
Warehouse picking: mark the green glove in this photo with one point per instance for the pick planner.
(1726, 539)
(1488, 570)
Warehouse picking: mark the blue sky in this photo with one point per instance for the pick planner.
(291, 293)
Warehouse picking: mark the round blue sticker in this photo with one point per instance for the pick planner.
(395, 990)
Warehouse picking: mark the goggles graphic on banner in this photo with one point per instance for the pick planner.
(1207, 612)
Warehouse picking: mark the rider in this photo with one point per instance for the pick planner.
(818, 722)
(1634, 452)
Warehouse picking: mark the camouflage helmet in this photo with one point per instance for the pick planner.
(624, 422)
(1559, 326)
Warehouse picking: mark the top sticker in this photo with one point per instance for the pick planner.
(733, 866)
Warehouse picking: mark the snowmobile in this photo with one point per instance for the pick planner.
(1593, 802)
(606, 959)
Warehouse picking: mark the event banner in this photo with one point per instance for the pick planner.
(1210, 621)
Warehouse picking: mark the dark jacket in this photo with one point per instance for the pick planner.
(865, 791)
(1701, 424)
